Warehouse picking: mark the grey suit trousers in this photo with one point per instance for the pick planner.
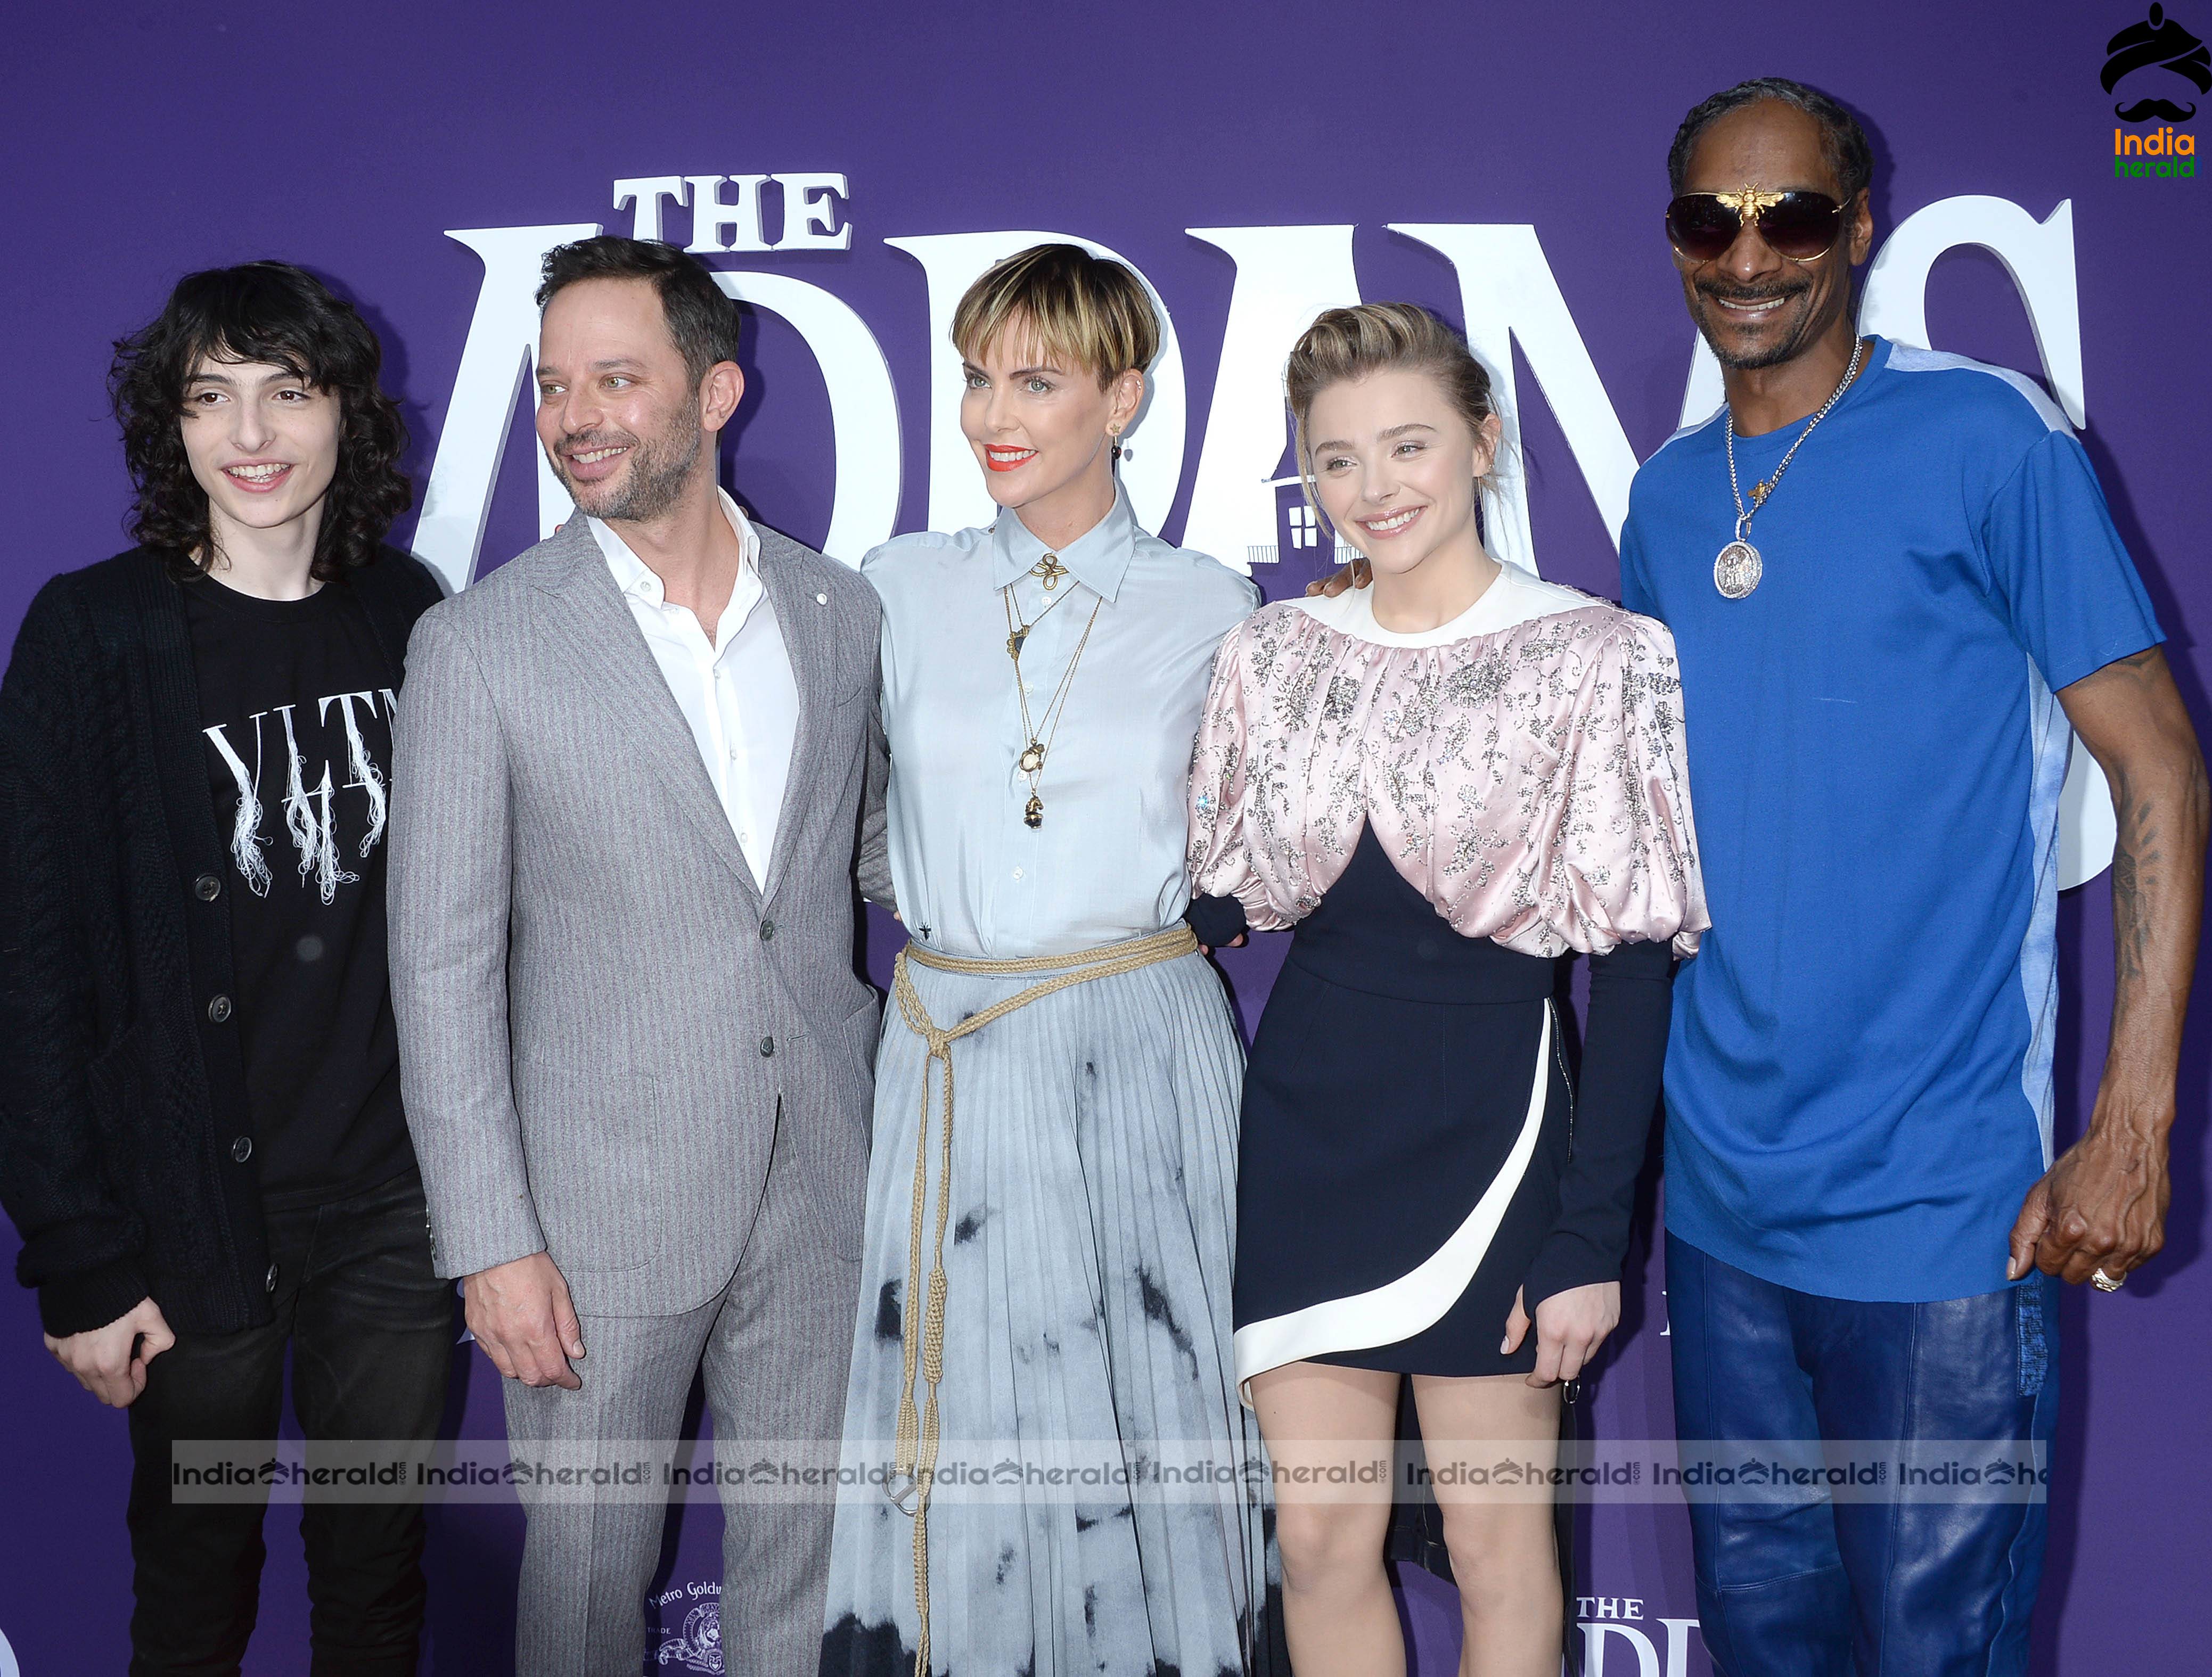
(773, 1346)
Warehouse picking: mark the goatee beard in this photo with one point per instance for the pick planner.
(1793, 343)
(653, 484)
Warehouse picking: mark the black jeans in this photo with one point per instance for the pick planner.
(370, 1332)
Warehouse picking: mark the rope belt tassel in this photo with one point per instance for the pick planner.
(922, 1345)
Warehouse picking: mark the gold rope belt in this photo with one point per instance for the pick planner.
(916, 1458)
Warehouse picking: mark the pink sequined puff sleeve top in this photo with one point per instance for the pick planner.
(1522, 766)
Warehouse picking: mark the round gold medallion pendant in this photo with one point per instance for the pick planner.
(1737, 569)
(1032, 760)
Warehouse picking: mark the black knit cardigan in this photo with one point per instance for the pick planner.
(122, 1082)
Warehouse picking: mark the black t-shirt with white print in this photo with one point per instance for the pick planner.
(296, 706)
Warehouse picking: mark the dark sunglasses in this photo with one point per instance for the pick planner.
(1801, 225)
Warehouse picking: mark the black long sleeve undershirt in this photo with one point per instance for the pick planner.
(1624, 1049)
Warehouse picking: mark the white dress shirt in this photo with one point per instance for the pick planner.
(736, 691)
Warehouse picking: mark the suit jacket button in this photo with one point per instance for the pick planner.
(242, 1149)
(219, 1009)
(207, 888)
(268, 1281)
(768, 1048)
(768, 930)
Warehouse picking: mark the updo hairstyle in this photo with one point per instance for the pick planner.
(1347, 343)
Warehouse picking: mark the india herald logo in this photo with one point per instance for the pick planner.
(2161, 47)
(2158, 40)
(699, 1648)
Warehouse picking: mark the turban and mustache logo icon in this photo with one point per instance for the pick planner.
(2158, 40)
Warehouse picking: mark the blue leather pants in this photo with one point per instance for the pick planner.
(1875, 1589)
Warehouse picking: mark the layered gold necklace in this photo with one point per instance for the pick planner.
(1038, 734)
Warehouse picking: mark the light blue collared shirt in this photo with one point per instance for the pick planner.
(1107, 865)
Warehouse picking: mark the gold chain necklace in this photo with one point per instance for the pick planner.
(1737, 567)
(1019, 635)
(1031, 762)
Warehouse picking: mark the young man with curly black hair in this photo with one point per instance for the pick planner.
(201, 1138)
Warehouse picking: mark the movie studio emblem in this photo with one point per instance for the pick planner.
(698, 1647)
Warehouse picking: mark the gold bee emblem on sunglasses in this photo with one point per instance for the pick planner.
(1749, 201)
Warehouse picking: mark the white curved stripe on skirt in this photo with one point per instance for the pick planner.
(1417, 1299)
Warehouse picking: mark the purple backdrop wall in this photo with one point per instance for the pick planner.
(150, 141)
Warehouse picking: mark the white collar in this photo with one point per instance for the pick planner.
(1514, 597)
(633, 576)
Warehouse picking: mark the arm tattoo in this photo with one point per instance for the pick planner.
(2160, 805)
(2136, 869)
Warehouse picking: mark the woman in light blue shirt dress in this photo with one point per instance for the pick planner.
(1049, 1235)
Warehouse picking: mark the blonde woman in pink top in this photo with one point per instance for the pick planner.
(1448, 782)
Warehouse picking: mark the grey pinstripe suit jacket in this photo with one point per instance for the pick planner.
(601, 1013)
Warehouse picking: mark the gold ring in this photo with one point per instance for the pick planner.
(2104, 1283)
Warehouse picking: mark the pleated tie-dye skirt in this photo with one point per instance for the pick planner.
(1087, 1329)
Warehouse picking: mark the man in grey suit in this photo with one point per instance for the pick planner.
(629, 780)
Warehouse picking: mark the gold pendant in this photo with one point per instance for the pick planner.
(1034, 815)
(1737, 568)
(1032, 760)
(1049, 570)
(1014, 643)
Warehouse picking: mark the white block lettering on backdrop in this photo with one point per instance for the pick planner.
(812, 221)
(1284, 276)
(863, 405)
(1649, 1663)
(496, 362)
(1508, 293)
(646, 193)
(1593, 1649)
(2039, 255)
(712, 216)
(951, 262)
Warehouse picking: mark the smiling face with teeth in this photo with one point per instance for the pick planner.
(625, 425)
(263, 443)
(1395, 466)
(1756, 308)
(1043, 432)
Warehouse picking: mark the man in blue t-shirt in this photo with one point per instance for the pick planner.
(1894, 584)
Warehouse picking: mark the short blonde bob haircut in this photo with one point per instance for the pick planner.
(1350, 343)
(1085, 311)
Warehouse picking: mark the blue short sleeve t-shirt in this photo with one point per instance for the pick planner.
(1858, 1079)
